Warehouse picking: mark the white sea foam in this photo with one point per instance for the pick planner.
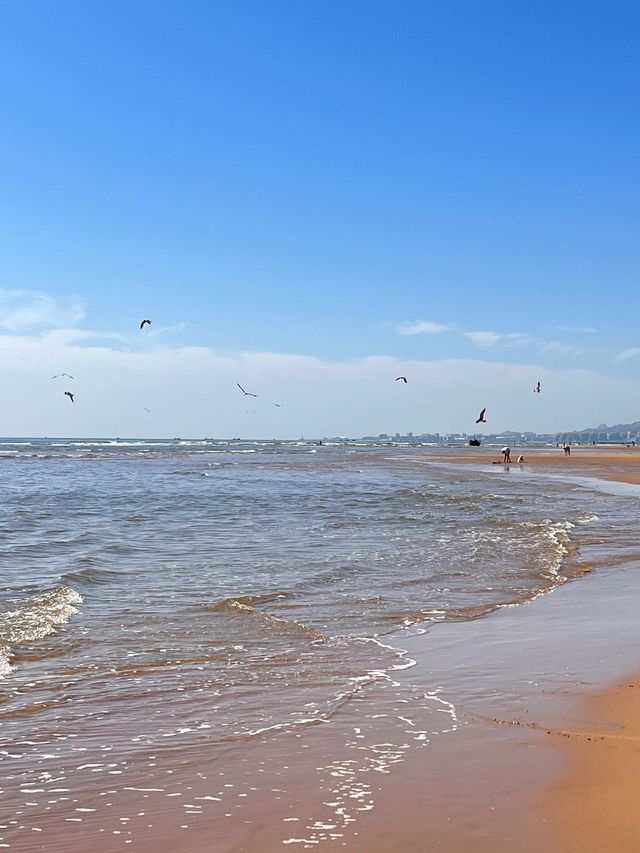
(34, 618)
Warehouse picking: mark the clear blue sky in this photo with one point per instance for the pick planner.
(306, 177)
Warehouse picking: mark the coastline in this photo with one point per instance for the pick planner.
(590, 801)
(475, 739)
(511, 774)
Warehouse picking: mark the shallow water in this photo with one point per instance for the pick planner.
(161, 599)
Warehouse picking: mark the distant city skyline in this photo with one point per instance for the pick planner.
(312, 200)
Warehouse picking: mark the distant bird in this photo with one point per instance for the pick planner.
(69, 395)
(404, 379)
(246, 393)
(278, 405)
(148, 411)
(145, 323)
(481, 418)
(251, 411)
(68, 375)
(536, 390)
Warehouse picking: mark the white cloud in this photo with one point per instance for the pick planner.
(25, 310)
(507, 339)
(424, 327)
(632, 352)
(484, 339)
(192, 392)
(583, 329)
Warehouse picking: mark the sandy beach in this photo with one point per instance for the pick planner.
(592, 802)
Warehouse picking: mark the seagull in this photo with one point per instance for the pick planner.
(145, 323)
(404, 379)
(536, 390)
(69, 395)
(278, 405)
(246, 393)
(68, 375)
(481, 418)
(148, 411)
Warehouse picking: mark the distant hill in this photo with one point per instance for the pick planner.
(634, 427)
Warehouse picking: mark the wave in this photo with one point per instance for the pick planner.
(90, 574)
(246, 605)
(34, 618)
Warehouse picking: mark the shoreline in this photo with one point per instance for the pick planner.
(519, 681)
(591, 802)
(472, 740)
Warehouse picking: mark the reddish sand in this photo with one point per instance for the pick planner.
(594, 807)
(621, 463)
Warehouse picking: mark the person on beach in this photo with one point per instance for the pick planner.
(567, 450)
(520, 460)
(506, 454)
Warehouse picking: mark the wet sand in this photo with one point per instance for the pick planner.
(593, 803)
(618, 463)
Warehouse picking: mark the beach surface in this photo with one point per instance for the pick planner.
(592, 804)
(460, 683)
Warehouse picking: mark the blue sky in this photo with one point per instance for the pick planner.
(317, 180)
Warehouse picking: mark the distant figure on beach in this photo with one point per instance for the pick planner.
(567, 450)
(506, 454)
(520, 460)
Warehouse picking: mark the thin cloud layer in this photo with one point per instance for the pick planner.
(192, 392)
(27, 310)
(424, 327)
(626, 354)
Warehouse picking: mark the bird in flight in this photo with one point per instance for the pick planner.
(536, 390)
(246, 393)
(404, 379)
(278, 405)
(481, 418)
(69, 395)
(148, 411)
(68, 375)
(145, 323)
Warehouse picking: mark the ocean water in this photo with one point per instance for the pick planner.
(160, 600)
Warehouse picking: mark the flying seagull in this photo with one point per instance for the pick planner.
(246, 393)
(145, 323)
(68, 375)
(404, 379)
(536, 390)
(278, 405)
(69, 395)
(148, 410)
(481, 418)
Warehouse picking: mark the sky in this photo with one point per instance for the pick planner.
(311, 199)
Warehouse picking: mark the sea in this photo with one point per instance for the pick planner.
(171, 610)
